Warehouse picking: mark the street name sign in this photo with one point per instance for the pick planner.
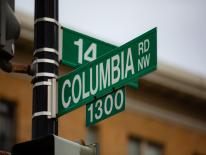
(78, 49)
(105, 107)
(111, 71)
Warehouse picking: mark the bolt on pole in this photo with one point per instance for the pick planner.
(45, 65)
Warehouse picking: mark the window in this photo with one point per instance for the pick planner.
(153, 149)
(134, 147)
(7, 126)
(143, 147)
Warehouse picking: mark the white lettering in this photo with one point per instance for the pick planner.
(115, 69)
(143, 46)
(68, 84)
(78, 79)
(140, 48)
(106, 102)
(94, 91)
(104, 76)
(129, 63)
(100, 110)
(119, 92)
(146, 45)
(143, 62)
(122, 65)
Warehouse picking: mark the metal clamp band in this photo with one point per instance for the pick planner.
(45, 61)
(46, 49)
(41, 113)
(52, 75)
(43, 83)
(52, 98)
(60, 43)
(46, 19)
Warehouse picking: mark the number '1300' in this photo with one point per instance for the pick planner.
(106, 106)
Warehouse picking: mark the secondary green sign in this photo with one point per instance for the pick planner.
(78, 49)
(111, 71)
(105, 107)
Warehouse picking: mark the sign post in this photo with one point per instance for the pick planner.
(111, 71)
(45, 65)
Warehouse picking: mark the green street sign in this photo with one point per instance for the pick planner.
(111, 71)
(105, 107)
(78, 49)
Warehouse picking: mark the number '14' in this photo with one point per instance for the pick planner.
(89, 55)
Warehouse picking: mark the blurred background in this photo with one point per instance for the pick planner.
(166, 115)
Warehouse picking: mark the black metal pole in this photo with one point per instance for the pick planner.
(45, 64)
